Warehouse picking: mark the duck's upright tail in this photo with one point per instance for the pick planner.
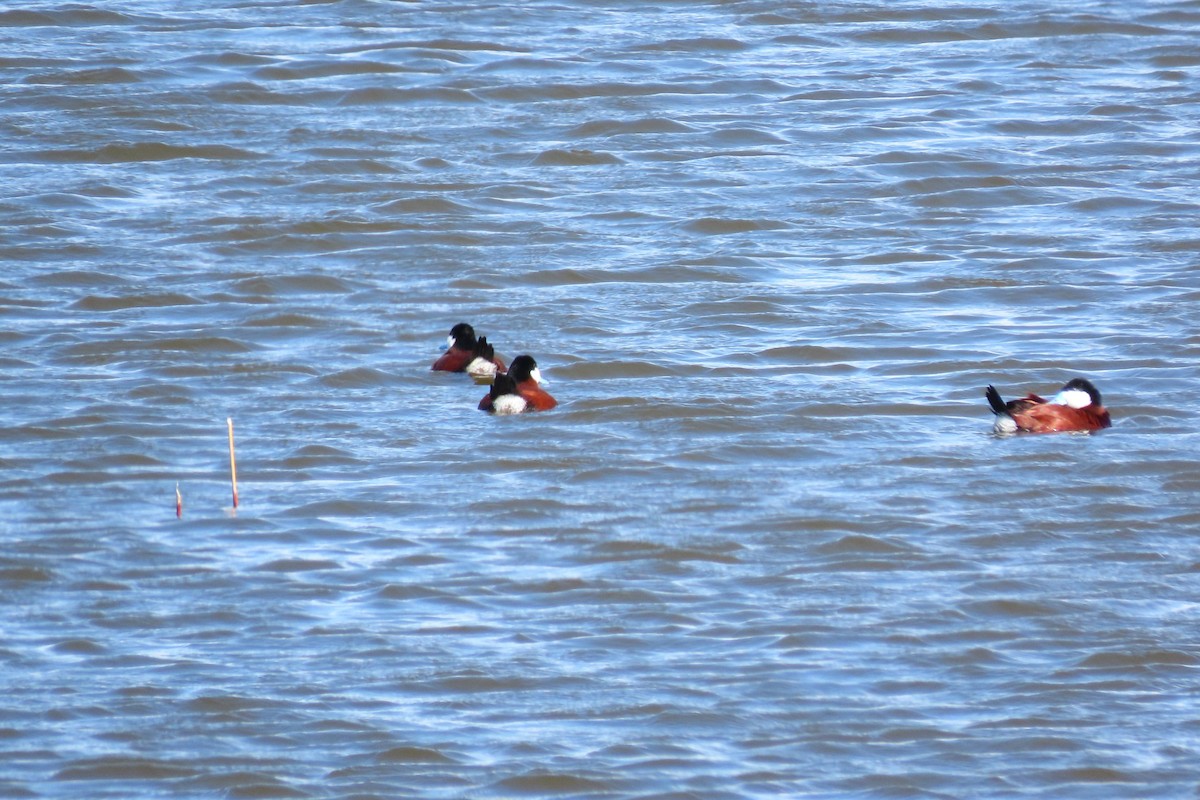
(996, 401)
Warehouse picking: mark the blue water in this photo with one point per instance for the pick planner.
(768, 256)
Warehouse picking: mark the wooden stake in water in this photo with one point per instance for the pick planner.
(178, 502)
(232, 463)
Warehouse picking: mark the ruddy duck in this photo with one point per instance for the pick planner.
(1077, 407)
(526, 378)
(503, 397)
(485, 365)
(461, 349)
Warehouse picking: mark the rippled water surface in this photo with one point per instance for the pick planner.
(768, 254)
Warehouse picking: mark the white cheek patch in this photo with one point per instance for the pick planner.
(1075, 398)
(508, 404)
(536, 374)
(449, 342)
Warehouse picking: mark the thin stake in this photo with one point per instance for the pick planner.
(232, 463)
(178, 502)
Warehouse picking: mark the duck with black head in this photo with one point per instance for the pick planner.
(527, 379)
(460, 349)
(1077, 407)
